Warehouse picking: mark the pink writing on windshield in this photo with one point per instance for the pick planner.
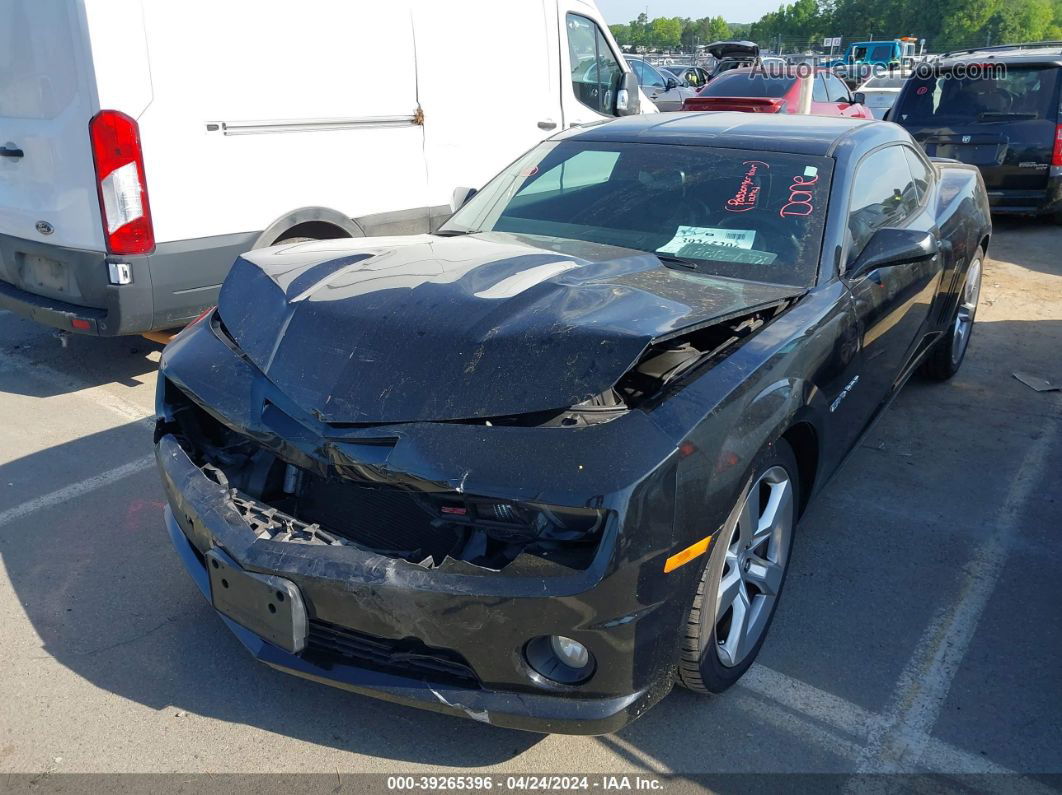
(748, 192)
(800, 197)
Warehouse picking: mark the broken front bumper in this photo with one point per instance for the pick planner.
(469, 630)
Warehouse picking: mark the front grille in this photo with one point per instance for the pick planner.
(382, 518)
(408, 657)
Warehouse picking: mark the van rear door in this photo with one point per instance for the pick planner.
(1003, 124)
(47, 182)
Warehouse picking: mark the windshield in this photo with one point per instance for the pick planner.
(747, 83)
(1014, 95)
(885, 81)
(725, 212)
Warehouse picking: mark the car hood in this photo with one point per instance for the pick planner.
(430, 328)
(733, 49)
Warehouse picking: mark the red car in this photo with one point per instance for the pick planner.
(820, 92)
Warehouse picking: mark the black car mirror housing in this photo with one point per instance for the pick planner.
(670, 83)
(888, 247)
(859, 98)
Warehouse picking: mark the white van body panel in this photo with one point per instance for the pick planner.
(273, 65)
(119, 50)
(255, 116)
(47, 96)
(501, 71)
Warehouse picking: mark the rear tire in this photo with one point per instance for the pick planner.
(945, 357)
(739, 587)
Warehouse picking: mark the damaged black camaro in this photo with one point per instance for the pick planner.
(539, 466)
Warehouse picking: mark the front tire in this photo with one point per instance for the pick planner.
(738, 590)
(945, 357)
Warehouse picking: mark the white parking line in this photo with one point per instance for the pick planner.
(65, 383)
(75, 490)
(819, 708)
(899, 739)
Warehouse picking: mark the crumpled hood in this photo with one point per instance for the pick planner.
(404, 329)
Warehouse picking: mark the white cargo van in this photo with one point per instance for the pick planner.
(144, 144)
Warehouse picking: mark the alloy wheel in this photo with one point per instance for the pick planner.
(964, 318)
(754, 567)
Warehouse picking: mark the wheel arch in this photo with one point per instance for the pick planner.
(309, 219)
(803, 438)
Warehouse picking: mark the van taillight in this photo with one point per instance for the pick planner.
(1056, 154)
(120, 180)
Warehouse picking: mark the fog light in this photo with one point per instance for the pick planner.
(571, 652)
(560, 659)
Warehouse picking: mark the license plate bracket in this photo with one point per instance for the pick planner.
(269, 606)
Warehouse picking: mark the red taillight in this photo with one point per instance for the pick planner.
(1056, 154)
(120, 181)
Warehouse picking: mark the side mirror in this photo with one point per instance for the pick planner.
(460, 198)
(628, 101)
(889, 247)
(670, 83)
(859, 98)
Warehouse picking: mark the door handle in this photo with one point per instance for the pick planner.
(547, 124)
(5, 152)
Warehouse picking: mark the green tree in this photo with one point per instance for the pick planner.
(621, 33)
(718, 29)
(666, 32)
(1021, 20)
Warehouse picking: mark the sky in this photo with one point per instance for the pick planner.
(617, 11)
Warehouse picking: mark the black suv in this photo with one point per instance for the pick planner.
(996, 108)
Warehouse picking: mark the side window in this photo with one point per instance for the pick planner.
(835, 89)
(920, 171)
(647, 75)
(881, 53)
(595, 71)
(818, 94)
(883, 194)
(589, 167)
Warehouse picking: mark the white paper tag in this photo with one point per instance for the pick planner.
(686, 235)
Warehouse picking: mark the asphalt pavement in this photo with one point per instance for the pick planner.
(919, 630)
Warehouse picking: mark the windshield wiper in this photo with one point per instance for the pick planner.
(454, 232)
(682, 262)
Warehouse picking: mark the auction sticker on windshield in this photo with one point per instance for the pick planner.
(686, 235)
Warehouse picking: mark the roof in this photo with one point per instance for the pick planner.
(781, 132)
(1013, 54)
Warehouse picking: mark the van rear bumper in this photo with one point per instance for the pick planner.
(69, 288)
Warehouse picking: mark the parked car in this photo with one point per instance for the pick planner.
(734, 54)
(132, 173)
(688, 75)
(662, 88)
(879, 92)
(787, 91)
(538, 466)
(1003, 116)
